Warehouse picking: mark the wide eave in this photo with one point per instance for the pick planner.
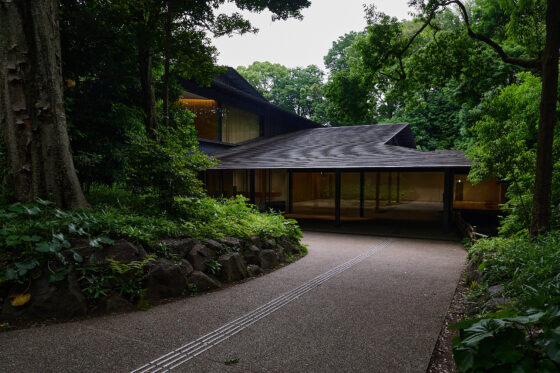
(381, 147)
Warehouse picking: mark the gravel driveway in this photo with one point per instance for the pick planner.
(354, 304)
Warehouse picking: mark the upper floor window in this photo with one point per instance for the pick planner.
(239, 125)
(221, 122)
(207, 115)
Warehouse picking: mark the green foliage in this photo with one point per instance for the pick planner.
(207, 218)
(525, 336)
(167, 166)
(526, 342)
(529, 270)
(299, 90)
(34, 240)
(505, 147)
(213, 267)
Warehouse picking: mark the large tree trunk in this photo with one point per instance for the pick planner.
(147, 85)
(166, 66)
(32, 104)
(547, 121)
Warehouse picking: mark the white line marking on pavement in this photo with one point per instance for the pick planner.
(187, 352)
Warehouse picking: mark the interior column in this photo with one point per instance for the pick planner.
(362, 181)
(337, 198)
(447, 200)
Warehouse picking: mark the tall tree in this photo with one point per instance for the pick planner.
(524, 26)
(298, 89)
(32, 113)
(152, 21)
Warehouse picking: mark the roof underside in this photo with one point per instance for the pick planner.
(338, 148)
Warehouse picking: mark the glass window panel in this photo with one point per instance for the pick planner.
(239, 125)
(403, 195)
(213, 183)
(271, 189)
(486, 195)
(241, 183)
(206, 120)
(350, 194)
(313, 194)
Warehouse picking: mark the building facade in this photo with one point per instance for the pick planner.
(288, 163)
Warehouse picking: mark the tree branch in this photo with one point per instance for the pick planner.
(527, 63)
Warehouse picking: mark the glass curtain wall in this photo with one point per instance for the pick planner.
(271, 186)
(487, 195)
(221, 122)
(313, 194)
(271, 189)
(239, 125)
(206, 121)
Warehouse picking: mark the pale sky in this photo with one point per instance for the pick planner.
(300, 43)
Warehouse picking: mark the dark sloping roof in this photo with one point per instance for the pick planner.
(337, 147)
(232, 88)
(234, 80)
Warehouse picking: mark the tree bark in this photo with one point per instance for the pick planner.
(32, 113)
(547, 121)
(147, 86)
(166, 66)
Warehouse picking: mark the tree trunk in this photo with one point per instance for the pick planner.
(32, 113)
(147, 85)
(166, 67)
(547, 121)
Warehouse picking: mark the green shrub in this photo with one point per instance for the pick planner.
(529, 270)
(525, 336)
(505, 342)
(166, 165)
(208, 217)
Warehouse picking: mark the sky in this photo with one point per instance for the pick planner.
(300, 43)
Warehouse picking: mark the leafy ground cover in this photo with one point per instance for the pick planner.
(40, 240)
(523, 334)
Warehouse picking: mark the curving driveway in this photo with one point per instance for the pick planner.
(354, 304)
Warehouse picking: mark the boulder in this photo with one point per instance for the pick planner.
(256, 240)
(122, 251)
(214, 246)
(496, 290)
(280, 253)
(254, 270)
(494, 304)
(116, 303)
(269, 244)
(234, 268)
(288, 245)
(165, 279)
(232, 242)
(472, 274)
(198, 256)
(186, 267)
(251, 254)
(49, 300)
(180, 246)
(268, 259)
(202, 281)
